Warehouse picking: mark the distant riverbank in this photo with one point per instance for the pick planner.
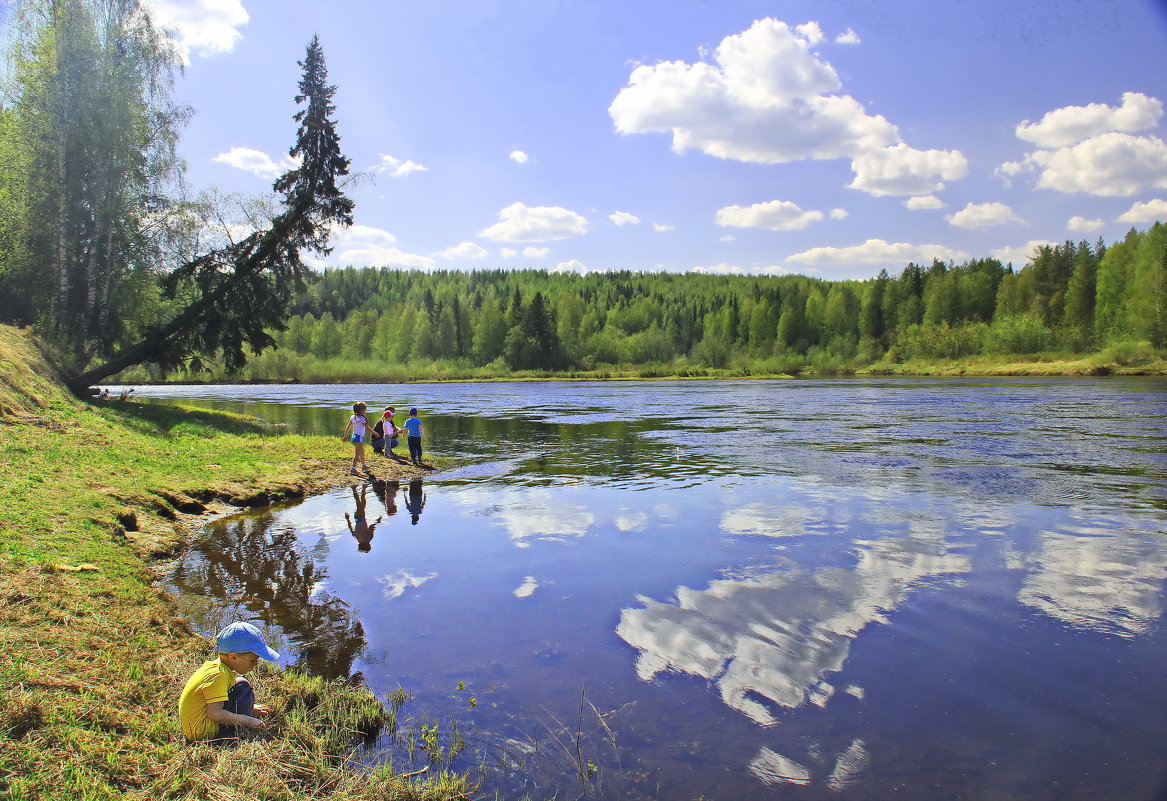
(1127, 360)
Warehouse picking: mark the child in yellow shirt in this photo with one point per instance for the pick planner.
(217, 699)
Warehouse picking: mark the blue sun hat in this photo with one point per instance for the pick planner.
(242, 638)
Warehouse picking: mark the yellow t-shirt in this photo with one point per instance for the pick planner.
(208, 685)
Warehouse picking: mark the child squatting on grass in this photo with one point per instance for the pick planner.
(217, 700)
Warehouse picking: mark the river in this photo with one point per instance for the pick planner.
(809, 589)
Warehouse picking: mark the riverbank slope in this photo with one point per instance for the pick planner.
(95, 494)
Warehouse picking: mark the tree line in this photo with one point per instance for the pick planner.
(1076, 297)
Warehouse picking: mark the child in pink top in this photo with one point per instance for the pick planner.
(361, 431)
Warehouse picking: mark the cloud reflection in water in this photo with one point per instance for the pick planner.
(777, 634)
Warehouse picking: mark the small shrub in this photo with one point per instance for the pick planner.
(1017, 333)
(1127, 352)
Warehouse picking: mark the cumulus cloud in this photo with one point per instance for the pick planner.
(519, 157)
(573, 266)
(764, 100)
(848, 37)
(924, 202)
(536, 253)
(624, 218)
(660, 228)
(255, 162)
(1020, 254)
(1072, 124)
(509, 253)
(365, 246)
(1090, 149)
(1083, 225)
(1149, 212)
(876, 251)
(768, 98)
(204, 26)
(903, 170)
(396, 167)
(776, 215)
(839, 214)
(737, 269)
(1110, 165)
(466, 250)
(983, 215)
(521, 223)
(1010, 170)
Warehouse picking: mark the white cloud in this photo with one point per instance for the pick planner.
(396, 167)
(902, 170)
(1072, 124)
(509, 253)
(1010, 170)
(1083, 225)
(365, 246)
(466, 250)
(519, 157)
(573, 266)
(983, 215)
(875, 251)
(255, 162)
(727, 238)
(924, 202)
(528, 587)
(776, 215)
(765, 100)
(205, 26)
(660, 228)
(536, 253)
(737, 269)
(1110, 165)
(810, 31)
(839, 214)
(521, 223)
(624, 218)
(848, 37)
(1021, 254)
(1149, 212)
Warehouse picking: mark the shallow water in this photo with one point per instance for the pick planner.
(860, 588)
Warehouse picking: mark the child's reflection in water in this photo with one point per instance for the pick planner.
(414, 500)
(358, 526)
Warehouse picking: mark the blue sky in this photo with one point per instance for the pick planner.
(826, 138)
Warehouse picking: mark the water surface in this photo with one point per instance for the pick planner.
(843, 589)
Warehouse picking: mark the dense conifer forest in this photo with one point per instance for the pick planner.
(383, 324)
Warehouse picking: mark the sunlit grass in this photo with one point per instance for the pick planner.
(95, 655)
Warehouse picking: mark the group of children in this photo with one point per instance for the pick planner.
(383, 435)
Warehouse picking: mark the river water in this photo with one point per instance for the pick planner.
(807, 589)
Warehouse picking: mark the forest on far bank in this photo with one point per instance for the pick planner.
(1070, 300)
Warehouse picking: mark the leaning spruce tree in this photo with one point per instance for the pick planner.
(232, 297)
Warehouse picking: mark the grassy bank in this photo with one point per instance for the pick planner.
(95, 655)
(1128, 358)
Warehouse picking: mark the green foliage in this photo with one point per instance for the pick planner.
(87, 155)
(234, 297)
(941, 341)
(1018, 333)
